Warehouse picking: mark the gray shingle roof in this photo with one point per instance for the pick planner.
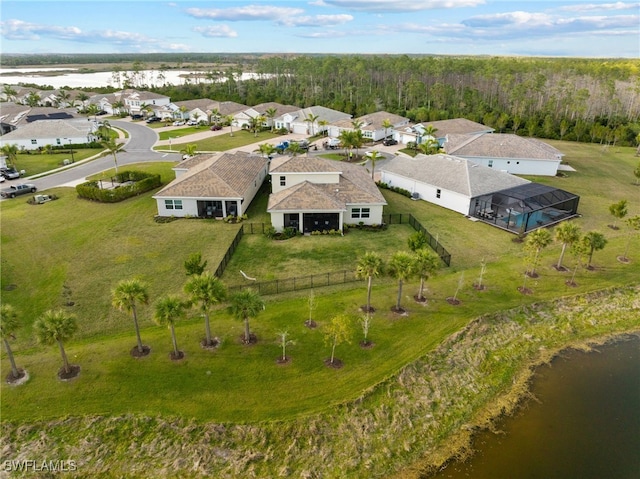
(74, 128)
(219, 175)
(453, 174)
(457, 126)
(500, 145)
(373, 121)
(355, 186)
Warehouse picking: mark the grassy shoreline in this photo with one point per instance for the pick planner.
(413, 422)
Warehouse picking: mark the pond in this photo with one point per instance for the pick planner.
(585, 423)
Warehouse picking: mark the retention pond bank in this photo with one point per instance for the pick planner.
(584, 422)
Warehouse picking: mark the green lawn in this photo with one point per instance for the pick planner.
(225, 141)
(36, 163)
(76, 250)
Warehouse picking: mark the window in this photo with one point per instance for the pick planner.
(283, 181)
(173, 204)
(58, 142)
(360, 212)
(438, 192)
(34, 142)
(490, 164)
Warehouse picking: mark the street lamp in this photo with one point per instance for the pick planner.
(71, 148)
(170, 149)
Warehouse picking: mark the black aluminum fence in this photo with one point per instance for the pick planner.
(299, 282)
(324, 279)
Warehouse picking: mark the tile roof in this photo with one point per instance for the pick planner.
(457, 126)
(453, 174)
(280, 108)
(219, 175)
(373, 121)
(355, 185)
(74, 128)
(500, 145)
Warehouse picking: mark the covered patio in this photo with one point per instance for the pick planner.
(525, 207)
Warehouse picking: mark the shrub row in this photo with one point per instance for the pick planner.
(402, 191)
(140, 183)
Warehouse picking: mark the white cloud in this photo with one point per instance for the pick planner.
(402, 6)
(245, 13)
(591, 7)
(322, 34)
(216, 31)
(316, 21)
(20, 30)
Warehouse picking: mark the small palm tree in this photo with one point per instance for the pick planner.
(536, 242)
(113, 147)
(230, 119)
(294, 149)
(244, 305)
(56, 327)
(373, 157)
(207, 290)
(566, 233)
(369, 266)
(168, 310)
(11, 152)
(425, 263)
(386, 124)
(189, 150)
(594, 241)
(8, 326)
(267, 149)
(126, 297)
(323, 125)
(270, 114)
(401, 267)
(618, 211)
(311, 119)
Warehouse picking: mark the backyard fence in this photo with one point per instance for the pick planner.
(324, 279)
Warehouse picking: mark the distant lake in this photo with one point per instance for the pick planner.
(585, 424)
(72, 79)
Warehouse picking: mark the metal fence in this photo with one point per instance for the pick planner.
(404, 218)
(229, 253)
(298, 283)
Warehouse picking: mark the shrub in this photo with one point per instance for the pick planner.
(141, 183)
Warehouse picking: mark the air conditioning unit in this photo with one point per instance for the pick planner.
(415, 195)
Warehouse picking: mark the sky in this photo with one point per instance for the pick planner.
(573, 28)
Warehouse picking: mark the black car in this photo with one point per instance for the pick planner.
(153, 119)
(136, 117)
(389, 142)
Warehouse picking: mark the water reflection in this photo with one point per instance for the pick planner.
(586, 424)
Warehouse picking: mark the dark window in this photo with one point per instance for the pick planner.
(438, 192)
(283, 181)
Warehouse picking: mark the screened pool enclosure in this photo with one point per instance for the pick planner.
(525, 207)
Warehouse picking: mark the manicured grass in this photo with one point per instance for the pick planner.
(83, 249)
(225, 141)
(179, 132)
(36, 163)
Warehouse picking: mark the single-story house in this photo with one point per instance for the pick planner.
(243, 118)
(131, 101)
(299, 121)
(41, 133)
(316, 194)
(477, 191)
(371, 125)
(506, 152)
(213, 185)
(458, 126)
(202, 110)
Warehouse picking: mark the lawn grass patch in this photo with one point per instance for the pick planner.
(225, 142)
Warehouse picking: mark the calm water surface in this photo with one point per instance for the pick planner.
(586, 425)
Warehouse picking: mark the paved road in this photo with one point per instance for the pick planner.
(137, 149)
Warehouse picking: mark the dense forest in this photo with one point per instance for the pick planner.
(592, 100)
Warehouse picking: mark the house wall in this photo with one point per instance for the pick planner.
(292, 179)
(35, 143)
(518, 166)
(447, 199)
(375, 215)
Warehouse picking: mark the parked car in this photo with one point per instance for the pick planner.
(9, 173)
(389, 142)
(192, 123)
(178, 123)
(136, 117)
(153, 119)
(17, 190)
(216, 128)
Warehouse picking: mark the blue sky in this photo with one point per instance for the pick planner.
(451, 27)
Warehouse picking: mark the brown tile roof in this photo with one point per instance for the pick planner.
(373, 121)
(457, 126)
(500, 145)
(220, 175)
(355, 185)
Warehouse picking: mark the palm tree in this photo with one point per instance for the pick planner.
(189, 150)
(113, 147)
(168, 310)
(9, 92)
(323, 125)
(33, 99)
(11, 152)
(267, 149)
(244, 305)
(429, 146)
(567, 234)
(346, 137)
(207, 290)
(63, 98)
(595, 241)
(126, 296)
(357, 124)
(536, 242)
(401, 267)
(271, 113)
(92, 109)
(230, 119)
(373, 157)
(56, 327)
(386, 124)
(119, 107)
(294, 149)
(358, 140)
(369, 266)
(311, 119)
(425, 263)
(214, 116)
(8, 326)
(255, 123)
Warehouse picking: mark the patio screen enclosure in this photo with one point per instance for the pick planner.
(525, 207)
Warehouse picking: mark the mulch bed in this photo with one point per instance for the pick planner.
(453, 301)
(525, 290)
(622, 259)
(253, 339)
(366, 309)
(367, 344)
(479, 287)
(22, 377)
(532, 274)
(571, 284)
(74, 371)
(561, 269)
(336, 364)
(136, 353)
(215, 342)
(418, 299)
(401, 311)
(283, 361)
(176, 357)
(311, 324)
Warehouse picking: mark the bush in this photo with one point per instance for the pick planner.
(141, 183)
(395, 189)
